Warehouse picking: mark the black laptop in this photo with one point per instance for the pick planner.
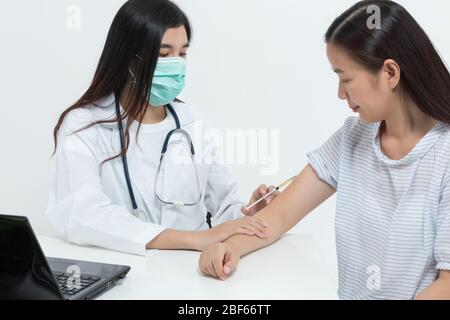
(25, 273)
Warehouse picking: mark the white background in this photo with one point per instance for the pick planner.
(253, 64)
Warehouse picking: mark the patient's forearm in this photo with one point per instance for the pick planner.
(304, 194)
(439, 289)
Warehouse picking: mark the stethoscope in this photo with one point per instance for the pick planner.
(178, 129)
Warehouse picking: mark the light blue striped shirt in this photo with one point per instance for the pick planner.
(392, 216)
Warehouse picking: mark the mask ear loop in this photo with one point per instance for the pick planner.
(132, 75)
(131, 72)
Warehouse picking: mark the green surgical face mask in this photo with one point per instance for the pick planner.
(168, 80)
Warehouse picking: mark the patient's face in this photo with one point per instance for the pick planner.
(366, 92)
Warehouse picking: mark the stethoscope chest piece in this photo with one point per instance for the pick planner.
(141, 215)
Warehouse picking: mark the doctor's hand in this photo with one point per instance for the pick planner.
(250, 226)
(260, 192)
(218, 260)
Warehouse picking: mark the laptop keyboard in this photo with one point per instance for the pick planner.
(70, 290)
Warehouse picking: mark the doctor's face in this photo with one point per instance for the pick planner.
(366, 93)
(175, 43)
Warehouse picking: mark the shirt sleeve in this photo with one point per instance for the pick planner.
(222, 198)
(325, 160)
(442, 240)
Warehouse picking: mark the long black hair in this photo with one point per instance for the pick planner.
(424, 76)
(133, 41)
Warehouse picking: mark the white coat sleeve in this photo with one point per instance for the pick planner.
(78, 208)
(222, 194)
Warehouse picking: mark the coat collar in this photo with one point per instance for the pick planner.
(105, 109)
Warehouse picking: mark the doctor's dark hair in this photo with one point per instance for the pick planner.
(424, 76)
(133, 43)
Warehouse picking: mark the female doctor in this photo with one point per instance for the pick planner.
(134, 170)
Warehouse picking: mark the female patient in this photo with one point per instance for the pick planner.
(390, 167)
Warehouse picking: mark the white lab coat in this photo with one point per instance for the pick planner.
(90, 205)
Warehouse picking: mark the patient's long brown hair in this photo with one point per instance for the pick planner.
(424, 76)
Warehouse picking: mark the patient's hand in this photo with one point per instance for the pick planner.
(260, 192)
(218, 260)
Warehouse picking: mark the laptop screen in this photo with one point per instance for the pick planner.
(24, 272)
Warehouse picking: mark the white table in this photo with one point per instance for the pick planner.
(289, 269)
